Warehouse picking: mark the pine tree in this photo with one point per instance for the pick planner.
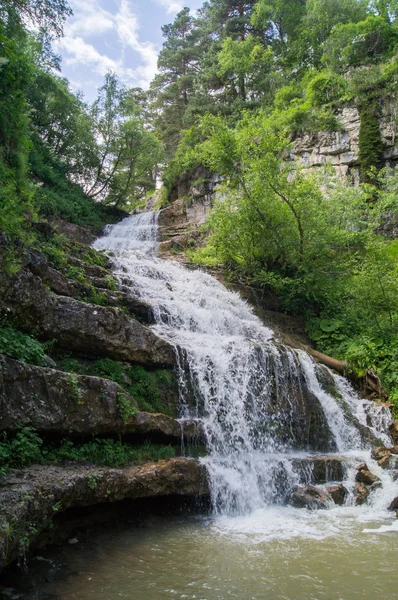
(178, 66)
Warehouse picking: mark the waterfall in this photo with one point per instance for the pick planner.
(261, 405)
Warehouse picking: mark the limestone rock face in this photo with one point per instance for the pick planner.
(30, 497)
(192, 197)
(76, 233)
(52, 401)
(311, 497)
(61, 285)
(341, 148)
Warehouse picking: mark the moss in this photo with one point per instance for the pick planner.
(147, 387)
(370, 140)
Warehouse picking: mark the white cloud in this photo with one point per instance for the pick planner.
(127, 28)
(80, 52)
(85, 32)
(90, 19)
(172, 6)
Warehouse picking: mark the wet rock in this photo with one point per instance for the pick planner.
(320, 469)
(328, 469)
(29, 498)
(382, 455)
(53, 401)
(310, 497)
(338, 493)
(394, 432)
(375, 486)
(361, 493)
(394, 504)
(365, 476)
(387, 458)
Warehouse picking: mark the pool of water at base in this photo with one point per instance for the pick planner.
(276, 554)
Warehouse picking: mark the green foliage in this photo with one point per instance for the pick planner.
(126, 408)
(145, 386)
(357, 44)
(325, 88)
(74, 388)
(310, 239)
(26, 448)
(107, 452)
(370, 141)
(18, 345)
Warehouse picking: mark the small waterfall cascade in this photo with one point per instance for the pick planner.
(263, 407)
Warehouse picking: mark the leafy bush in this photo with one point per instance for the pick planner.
(325, 88)
(26, 448)
(58, 196)
(18, 345)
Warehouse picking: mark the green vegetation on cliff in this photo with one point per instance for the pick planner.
(148, 387)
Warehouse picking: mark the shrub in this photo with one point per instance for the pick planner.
(18, 345)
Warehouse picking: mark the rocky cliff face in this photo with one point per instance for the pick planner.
(341, 148)
(193, 195)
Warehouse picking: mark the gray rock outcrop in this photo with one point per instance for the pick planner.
(52, 401)
(31, 497)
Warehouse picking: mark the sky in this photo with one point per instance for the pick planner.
(123, 36)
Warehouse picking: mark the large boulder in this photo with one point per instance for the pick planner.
(52, 401)
(96, 330)
(311, 497)
(338, 492)
(31, 497)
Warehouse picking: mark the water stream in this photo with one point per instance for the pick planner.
(265, 409)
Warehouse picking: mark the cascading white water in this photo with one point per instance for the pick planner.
(254, 397)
